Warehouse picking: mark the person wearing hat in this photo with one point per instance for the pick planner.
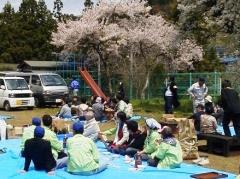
(29, 131)
(169, 151)
(198, 91)
(91, 127)
(57, 147)
(152, 127)
(82, 152)
(98, 109)
(39, 151)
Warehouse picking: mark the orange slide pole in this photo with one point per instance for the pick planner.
(96, 90)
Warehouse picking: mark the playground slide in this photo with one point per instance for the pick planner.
(96, 90)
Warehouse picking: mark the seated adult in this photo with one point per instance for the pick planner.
(91, 127)
(169, 151)
(74, 103)
(121, 104)
(65, 111)
(136, 139)
(29, 131)
(57, 147)
(83, 107)
(152, 127)
(208, 123)
(129, 110)
(83, 154)
(98, 109)
(39, 151)
(197, 117)
(121, 134)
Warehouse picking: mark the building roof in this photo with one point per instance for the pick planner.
(47, 64)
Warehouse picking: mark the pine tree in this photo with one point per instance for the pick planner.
(88, 4)
(58, 5)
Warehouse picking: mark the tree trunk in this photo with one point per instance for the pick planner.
(108, 75)
(145, 86)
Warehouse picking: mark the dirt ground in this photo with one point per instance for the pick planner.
(23, 117)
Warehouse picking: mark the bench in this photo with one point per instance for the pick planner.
(218, 143)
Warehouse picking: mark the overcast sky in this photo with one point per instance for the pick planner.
(69, 6)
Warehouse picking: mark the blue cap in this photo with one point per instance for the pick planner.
(36, 121)
(78, 127)
(39, 132)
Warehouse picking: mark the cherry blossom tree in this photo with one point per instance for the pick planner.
(124, 35)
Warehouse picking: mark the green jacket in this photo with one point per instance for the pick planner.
(170, 155)
(27, 134)
(150, 142)
(82, 154)
(56, 145)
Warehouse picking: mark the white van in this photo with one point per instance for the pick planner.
(15, 93)
(47, 88)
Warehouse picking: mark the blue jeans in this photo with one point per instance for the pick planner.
(102, 167)
(168, 104)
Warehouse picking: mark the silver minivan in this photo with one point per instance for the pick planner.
(47, 88)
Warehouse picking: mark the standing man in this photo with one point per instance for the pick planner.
(198, 91)
(75, 86)
(231, 105)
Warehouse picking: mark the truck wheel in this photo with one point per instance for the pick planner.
(7, 106)
(30, 108)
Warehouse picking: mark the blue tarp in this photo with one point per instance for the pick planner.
(11, 163)
(5, 117)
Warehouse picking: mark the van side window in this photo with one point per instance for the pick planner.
(35, 79)
(27, 78)
(1, 82)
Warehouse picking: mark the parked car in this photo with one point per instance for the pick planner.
(15, 93)
(47, 88)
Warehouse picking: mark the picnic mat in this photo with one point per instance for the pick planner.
(11, 163)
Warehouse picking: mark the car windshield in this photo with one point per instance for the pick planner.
(52, 80)
(16, 84)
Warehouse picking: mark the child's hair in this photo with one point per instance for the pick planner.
(73, 111)
(122, 116)
(83, 100)
(119, 97)
(209, 109)
(126, 100)
(132, 125)
(47, 120)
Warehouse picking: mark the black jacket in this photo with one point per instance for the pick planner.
(39, 151)
(136, 140)
(176, 103)
(230, 101)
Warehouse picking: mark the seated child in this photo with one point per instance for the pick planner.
(136, 139)
(169, 151)
(197, 117)
(65, 111)
(91, 127)
(208, 123)
(121, 133)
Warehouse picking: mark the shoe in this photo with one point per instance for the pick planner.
(204, 161)
(197, 160)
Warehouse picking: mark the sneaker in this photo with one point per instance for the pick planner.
(204, 161)
(197, 160)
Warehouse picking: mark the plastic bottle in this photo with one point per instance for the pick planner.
(65, 141)
(138, 160)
